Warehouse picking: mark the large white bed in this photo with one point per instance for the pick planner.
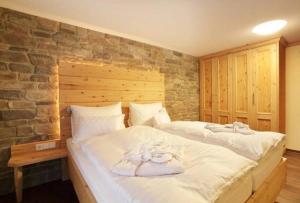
(102, 186)
(266, 163)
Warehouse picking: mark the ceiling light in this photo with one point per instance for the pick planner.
(269, 27)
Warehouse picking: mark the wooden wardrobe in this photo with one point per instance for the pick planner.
(245, 84)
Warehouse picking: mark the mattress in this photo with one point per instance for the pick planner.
(267, 164)
(103, 189)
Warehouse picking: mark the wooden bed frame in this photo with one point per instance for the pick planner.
(266, 193)
(98, 85)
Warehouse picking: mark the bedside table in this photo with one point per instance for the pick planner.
(35, 152)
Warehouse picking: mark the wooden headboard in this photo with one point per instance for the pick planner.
(89, 84)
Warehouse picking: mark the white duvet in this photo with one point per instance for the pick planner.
(253, 146)
(209, 169)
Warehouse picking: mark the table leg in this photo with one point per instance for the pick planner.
(18, 172)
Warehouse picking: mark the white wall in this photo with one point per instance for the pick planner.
(293, 97)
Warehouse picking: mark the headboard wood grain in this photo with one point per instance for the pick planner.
(90, 84)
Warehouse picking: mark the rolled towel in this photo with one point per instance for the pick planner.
(236, 127)
(151, 159)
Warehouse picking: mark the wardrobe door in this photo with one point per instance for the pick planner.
(222, 93)
(265, 88)
(206, 90)
(241, 94)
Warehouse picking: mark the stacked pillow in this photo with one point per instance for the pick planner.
(148, 114)
(87, 122)
(92, 121)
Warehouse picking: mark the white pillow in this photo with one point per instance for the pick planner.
(142, 114)
(111, 110)
(80, 111)
(89, 126)
(162, 117)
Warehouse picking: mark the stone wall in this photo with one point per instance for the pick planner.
(30, 50)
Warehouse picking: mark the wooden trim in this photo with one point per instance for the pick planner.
(293, 150)
(271, 187)
(266, 193)
(82, 189)
(293, 44)
(280, 40)
(21, 149)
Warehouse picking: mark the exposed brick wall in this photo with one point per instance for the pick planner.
(30, 49)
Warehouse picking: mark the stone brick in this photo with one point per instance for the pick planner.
(41, 95)
(17, 114)
(47, 25)
(3, 66)
(47, 110)
(15, 84)
(24, 76)
(22, 68)
(42, 60)
(24, 131)
(67, 27)
(39, 78)
(11, 94)
(14, 123)
(9, 56)
(21, 104)
(46, 69)
(37, 33)
(3, 104)
(38, 121)
(46, 129)
(27, 139)
(16, 48)
(7, 132)
(17, 39)
(8, 76)
(20, 18)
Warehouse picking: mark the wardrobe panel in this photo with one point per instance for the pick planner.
(208, 85)
(222, 106)
(223, 89)
(206, 90)
(241, 83)
(241, 86)
(263, 125)
(263, 70)
(265, 88)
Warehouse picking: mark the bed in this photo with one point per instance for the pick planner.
(108, 190)
(196, 131)
(98, 85)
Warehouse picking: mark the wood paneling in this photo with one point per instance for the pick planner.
(265, 88)
(241, 87)
(222, 107)
(90, 84)
(206, 86)
(245, 85)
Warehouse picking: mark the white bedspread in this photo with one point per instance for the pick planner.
(253, 146)
(209, 169)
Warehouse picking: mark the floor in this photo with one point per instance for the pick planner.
(63, 192)
(53, 192)
(291, 191)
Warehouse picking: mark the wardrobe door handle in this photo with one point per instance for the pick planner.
(253, 99)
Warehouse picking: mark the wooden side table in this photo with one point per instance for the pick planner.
(26, 154)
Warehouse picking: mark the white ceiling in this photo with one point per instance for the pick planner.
(195, 27)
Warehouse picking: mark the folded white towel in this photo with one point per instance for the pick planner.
(151, 159)
(236, 127)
